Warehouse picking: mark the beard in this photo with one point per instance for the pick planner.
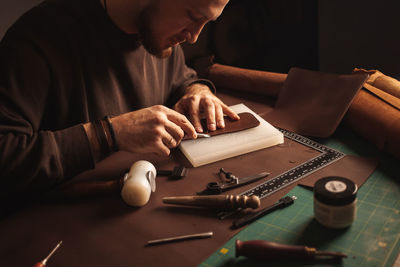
(148, 37)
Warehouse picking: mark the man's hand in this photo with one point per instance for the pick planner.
(199, 99)
(154, 129)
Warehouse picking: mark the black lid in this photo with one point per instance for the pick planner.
(336, 191)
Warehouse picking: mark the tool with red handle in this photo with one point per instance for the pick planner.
(44, 262)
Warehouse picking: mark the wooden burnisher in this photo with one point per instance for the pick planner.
(229, 202)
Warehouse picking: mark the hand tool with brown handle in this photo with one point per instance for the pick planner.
(230, 202)
(266, 250)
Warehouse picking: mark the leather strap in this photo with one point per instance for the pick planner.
(247, 121)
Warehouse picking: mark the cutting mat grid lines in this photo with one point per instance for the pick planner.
(372, 240)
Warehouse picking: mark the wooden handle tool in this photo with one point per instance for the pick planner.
(229, 202)
(266, 250)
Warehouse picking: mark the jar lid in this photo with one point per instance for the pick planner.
(336, 191)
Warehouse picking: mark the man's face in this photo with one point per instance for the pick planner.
(167, 23)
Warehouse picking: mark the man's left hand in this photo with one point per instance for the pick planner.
(199, 99)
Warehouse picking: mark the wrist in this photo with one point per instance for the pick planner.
(93, 141)
(113, 141)
(101, 137)
(204, 84)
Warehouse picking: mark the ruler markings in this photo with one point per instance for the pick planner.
(328, 156)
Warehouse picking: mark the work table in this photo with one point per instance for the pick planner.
(104, 231)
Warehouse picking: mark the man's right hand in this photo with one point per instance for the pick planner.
(155, 129)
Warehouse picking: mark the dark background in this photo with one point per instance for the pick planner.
(327, 35)
(260, 34)
(331, 36)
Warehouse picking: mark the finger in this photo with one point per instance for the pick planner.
(194, 114)
(209, 108)
(169, 141)
(162, 150)
(178, 108)
(175, 131)
(182, 122)
(219, 116)
(229, 112)
(195, 119)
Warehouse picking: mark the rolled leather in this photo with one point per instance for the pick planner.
(373, 112)
(240, 79)
(383, 82)
(376, 120)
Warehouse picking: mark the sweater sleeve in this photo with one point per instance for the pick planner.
(33, 159)
(183, 77)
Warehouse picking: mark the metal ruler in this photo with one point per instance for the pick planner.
(327, 156)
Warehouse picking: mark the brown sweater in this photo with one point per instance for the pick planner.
(64, 63)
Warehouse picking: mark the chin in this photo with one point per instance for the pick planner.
(164, 53)
(158, 52)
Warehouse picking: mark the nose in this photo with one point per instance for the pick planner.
(193, 33)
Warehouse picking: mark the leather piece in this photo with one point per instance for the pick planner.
(383, 82)
(267, 83)
(105, 231)
(247, 121)
(388, 98)
(362, 167)
(375, 120)
(368, 114)
(241, 79)
(313, 103)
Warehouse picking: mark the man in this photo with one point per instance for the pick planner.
(66, 64)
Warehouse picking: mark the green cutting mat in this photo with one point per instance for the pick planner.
(372, 240)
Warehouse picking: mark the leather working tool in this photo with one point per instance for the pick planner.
(231, 182)
(281, 203)
(226, 202)
(179, 238)
(44, 262)
(177, 173)
(327, 156)
(203, 135)
(266, 250)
